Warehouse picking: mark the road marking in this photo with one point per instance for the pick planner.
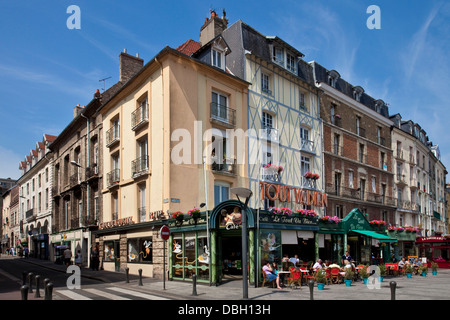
(9, 276)
(137, 294)
(105, 294)
(73, 295)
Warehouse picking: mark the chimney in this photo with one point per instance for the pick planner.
(129, 65)
(77, 110)
(212, 27)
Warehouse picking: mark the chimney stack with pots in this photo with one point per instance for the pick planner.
(213, 27)
(129, 65)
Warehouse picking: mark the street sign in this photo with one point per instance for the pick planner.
(165, 233)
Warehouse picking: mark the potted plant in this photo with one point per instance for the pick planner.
(194, 213)
(364, 274)
(348, 277)
(423, 270)
(177, 215)
(434, 267)
(321, 279)
(383, 272)
(409, 271)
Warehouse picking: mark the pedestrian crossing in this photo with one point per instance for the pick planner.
(107, 293)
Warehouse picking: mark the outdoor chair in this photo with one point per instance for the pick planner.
(328, 276)
(266, 280)
(335, 275)
(295, 277)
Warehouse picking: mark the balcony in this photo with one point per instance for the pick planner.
(223, 115)
(308, 146)
(92, 171)
(227, 166)
(271, 175)
(401, 180)
(139, 117)
(139, 166)
(112, 136)
(269, 134)
(30, 215)
(113, 178)
(351, 193)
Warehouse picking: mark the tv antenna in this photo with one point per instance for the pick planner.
(104, 82)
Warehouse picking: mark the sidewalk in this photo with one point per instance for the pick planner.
(417, 288)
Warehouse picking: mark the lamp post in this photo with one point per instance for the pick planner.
(244, 193)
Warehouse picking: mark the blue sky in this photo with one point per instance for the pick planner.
(46, 69)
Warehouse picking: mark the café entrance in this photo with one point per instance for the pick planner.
(230, 249)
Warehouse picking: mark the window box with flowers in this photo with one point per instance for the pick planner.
(194, 213)
(379, 224)
(177, 215)
(280, 211)
(312, 176)
(328, 219)
(306, 213)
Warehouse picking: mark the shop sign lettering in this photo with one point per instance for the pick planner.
(116, 223)
(272, 191)
(155, 215)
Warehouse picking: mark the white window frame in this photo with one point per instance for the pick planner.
(218, 58)
(265, 83)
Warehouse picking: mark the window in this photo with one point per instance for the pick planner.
(362, 188)
(278, 55)
(302, 101)
(46, 174)
(96, 159)
(305, 165)
(337, 182)
(291, 63)
(379, 139)
(362, 156)
(383, 163)
(374, 185)
(265, 83)
(350, 179)
(221, 192)
(358, 120)
(115, 206)
(46, 198)
(267, 120)
(140, 250)
(216, 59)
(96, 208)
(142, 203)
(111, 250)
(219, 106)
(332, 113)
(336, 146)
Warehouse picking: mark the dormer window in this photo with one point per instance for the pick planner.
(217, 58)
(333, 77)
(278, 55)
(357, 93)
(291, 63)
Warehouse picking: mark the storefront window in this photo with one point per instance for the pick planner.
(177, 257)
(270, 246)
(190, 256)
(109, 251)
(140, 250)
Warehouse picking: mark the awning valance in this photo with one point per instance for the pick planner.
(378, 236)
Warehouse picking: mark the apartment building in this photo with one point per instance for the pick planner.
(167, 149)
(35, 198)
(357, 153)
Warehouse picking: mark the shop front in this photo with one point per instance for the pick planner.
(212, 247)
(75, 239)
(435, 249)
(122, 244)
(405, 246)
(366, 243)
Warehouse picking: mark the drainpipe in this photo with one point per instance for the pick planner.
(88, 188)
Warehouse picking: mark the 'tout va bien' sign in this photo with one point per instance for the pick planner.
(272, 191)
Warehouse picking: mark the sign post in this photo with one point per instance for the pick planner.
(165, 235)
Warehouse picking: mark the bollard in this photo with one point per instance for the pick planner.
(49, 291)
(194, 284)
(24, 277)
(311, 289)
(127, 276)
(38, 283)
(30, 281)
(24, 292)
(393, 285)
(46, 281)
(140, 277)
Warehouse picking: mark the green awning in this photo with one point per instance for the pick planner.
(380, 237)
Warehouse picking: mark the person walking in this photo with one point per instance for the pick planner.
(67, 256)
(78, 258)
(94, 258)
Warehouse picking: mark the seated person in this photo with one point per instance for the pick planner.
(416, 264)
(401, 263)
(271, 274)
(317, 265)
(295, 260)
(334, 265)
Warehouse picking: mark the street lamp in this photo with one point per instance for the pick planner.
(244, 193)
